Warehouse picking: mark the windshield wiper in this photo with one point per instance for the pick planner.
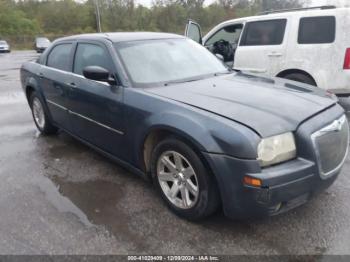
(223, 73)
(196, 79)
(181, 81)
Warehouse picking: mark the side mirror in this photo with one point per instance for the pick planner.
(98, 73)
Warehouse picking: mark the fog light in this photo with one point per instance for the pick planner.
(250, 181)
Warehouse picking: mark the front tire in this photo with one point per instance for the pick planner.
(184, 182)
(40, 115)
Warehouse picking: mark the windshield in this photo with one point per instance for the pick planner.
(167, 60)
(3, 43)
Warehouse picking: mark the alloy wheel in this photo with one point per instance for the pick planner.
(177, 179)
(38, 113)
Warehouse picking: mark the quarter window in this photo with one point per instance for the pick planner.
(90, 55)
(317, 30)
(59, 57)
(269, 32)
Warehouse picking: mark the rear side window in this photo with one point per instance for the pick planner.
(317, 30)
(269, 32)
(59, 57)
(90, 55)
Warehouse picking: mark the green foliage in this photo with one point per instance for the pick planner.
(14, 21)
(19, 18)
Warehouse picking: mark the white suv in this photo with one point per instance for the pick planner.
(310, 45)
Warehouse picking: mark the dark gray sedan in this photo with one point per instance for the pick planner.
(169, 110)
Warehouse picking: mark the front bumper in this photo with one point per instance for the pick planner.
(284, 186)
(40, 49)
(5, 50)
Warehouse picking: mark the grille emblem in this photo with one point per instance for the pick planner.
(336, 126)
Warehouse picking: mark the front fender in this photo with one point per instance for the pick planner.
(207, 131)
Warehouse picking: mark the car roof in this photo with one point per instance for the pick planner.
(288, 13)
(123, 36)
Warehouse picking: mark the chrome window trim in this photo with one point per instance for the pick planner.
(83, 77)
(86, 118)
(333, 127)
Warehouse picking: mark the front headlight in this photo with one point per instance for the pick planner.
(276, 149)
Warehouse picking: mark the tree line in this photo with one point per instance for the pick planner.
(22, 19)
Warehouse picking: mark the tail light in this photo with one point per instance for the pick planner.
(347, 59)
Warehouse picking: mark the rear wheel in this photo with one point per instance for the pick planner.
(40, 116)
(184, 182)
(299, 77)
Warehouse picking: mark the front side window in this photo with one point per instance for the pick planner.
(229, 33)
(59, 57)
(316, 30)
(259, 33)
(167, 60)
(90, 55)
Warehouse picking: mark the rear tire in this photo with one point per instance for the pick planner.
(183, 181)
(299, 77)
(40, 115)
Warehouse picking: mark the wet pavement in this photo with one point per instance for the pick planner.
(58, 196)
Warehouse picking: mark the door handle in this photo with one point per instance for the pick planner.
(72, 84)
(41, 75)
(274, 54)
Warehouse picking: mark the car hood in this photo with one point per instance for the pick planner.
(269, 106)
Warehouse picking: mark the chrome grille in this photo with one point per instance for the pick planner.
(331, 146)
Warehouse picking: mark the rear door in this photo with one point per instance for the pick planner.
(96, 107)
(316, 50)
(54, 81)
(262, 47)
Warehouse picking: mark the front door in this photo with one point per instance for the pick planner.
(262, 47)
(96, 108)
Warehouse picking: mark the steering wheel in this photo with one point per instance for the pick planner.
(225, 49)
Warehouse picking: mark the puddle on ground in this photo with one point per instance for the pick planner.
(61, 202)
(95, 203)
(97, 199)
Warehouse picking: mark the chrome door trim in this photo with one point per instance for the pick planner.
(86, 118)
(97, 123)
(57, 105)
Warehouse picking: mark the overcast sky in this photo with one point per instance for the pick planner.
(313, 2)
